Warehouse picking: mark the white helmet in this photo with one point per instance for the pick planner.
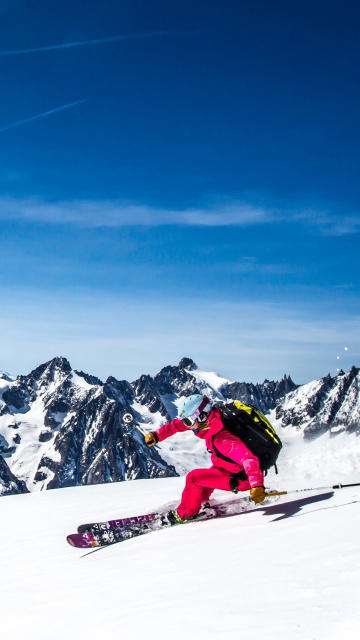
(195, 407)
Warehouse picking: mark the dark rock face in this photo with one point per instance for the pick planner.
(8, 482)
(45, 436)
(94, 446)
(148, 395)
(82, 424)
(170, 381)
(16, 398)
(265, 396)
(5, 447)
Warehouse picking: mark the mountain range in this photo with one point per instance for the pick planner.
(60, 427)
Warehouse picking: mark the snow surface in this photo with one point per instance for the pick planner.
(331, 458)
(80, 382)
(285, 572)
(212, 379)
(28, 452)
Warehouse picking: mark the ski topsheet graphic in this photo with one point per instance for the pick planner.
(117, 524)
(99, 534)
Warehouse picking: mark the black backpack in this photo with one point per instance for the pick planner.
(250, 425)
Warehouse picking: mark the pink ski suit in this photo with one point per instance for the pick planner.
(200, 483)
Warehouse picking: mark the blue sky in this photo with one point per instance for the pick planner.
(180, 179)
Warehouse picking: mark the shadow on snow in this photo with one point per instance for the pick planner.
(290, 509)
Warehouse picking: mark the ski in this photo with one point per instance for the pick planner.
(106, 537)
(116, 524)
(103, 534)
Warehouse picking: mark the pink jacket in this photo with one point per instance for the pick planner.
(227, 444)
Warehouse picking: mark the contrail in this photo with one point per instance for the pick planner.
(83, 43)
(40, 115)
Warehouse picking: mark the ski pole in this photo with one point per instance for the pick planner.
(335, 486)
(128, 418)
(139, 428)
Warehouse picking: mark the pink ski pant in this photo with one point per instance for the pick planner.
(200, 484)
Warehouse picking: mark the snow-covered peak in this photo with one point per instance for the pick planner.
(52, 372)
(212, 383)
(78, 380)
(187, 363)
(329, 404)
(33, 409)
(60, 427)
(5, 377)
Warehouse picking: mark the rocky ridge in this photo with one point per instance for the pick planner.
(60, 427)
(9, 484)
(331, 404)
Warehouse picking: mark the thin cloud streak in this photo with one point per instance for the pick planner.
(330, 224)
(19, 123)
(84, 43)
(94, 214)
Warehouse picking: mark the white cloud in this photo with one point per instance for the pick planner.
(116, 213)
(106, 213)
(341, 226)
(251, 264)
(328, 223)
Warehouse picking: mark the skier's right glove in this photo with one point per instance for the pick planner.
(151, 438)
(258, 494)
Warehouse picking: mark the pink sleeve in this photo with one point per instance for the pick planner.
(234, 448)
(170, 428)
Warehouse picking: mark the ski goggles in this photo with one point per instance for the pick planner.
(199, 415)
(189, 422)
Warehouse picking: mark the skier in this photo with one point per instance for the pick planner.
(196, 414)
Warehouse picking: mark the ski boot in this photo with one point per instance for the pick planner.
(172, 517)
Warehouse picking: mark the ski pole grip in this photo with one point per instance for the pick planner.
(341, 486)
(276, 493)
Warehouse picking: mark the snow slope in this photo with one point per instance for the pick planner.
(285, 572)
